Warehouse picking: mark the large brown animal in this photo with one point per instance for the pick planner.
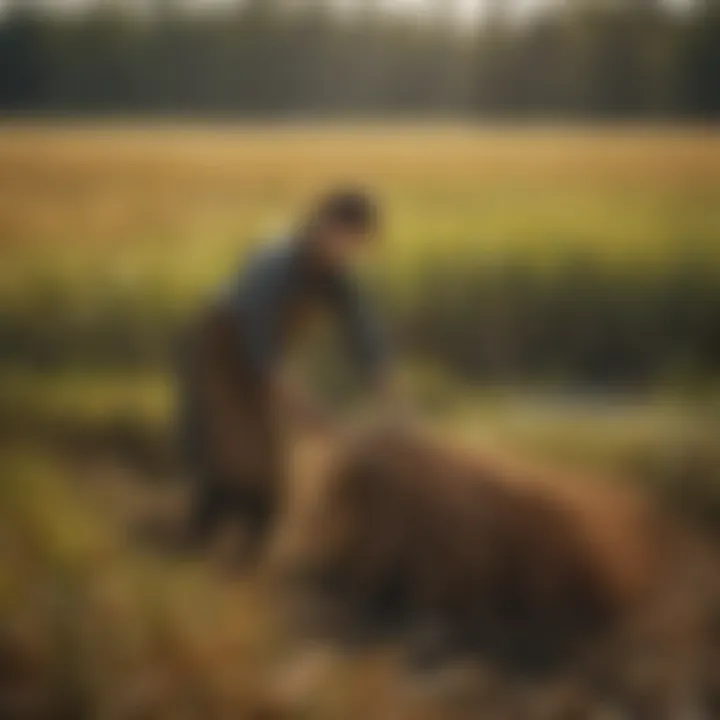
(407, 537)
(566, 590)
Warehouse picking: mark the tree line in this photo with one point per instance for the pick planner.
(269, 58)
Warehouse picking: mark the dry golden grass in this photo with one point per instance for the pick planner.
(97, 184)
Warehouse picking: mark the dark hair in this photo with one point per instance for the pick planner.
(353, 209)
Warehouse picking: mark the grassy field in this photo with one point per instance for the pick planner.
(587, 253)
(520, 266)
(170, 200)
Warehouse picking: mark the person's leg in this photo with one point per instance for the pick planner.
(255, 510)
(208, 506)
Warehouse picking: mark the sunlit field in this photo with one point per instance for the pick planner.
(505, 248)
(617, 193)
(552, 293)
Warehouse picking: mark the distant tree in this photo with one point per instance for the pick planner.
(635, 58)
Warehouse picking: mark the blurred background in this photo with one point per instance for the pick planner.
(550, 278)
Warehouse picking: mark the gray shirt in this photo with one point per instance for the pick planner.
(278, 283)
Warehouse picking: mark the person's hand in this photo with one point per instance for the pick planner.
(392, 401)
(298, 407)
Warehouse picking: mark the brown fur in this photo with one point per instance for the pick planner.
(455, 552)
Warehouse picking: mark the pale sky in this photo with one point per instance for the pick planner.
(464, 7)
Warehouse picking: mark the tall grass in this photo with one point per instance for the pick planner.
(92, 625)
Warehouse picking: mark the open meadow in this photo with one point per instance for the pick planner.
(551, 292)
(570, 254)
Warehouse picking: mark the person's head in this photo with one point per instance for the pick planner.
(342, 225)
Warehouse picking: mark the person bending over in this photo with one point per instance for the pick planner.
(234, 391)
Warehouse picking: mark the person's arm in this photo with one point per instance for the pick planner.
(366, 338)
